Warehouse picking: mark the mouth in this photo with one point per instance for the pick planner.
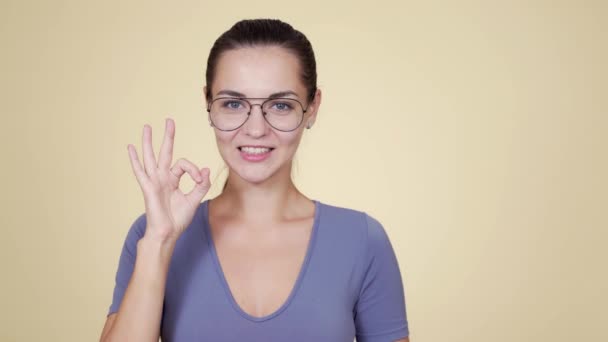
(254, 149)
(255, 153)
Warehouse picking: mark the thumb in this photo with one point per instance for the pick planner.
(200, 188)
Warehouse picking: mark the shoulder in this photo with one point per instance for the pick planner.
(139, 226)
(137, 230)
(345, 215)
(350, 221)
(361, 238)
(342, 216)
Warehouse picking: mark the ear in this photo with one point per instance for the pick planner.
(206, 104)
(313, 108)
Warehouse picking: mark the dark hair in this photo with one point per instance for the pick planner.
(265, 32)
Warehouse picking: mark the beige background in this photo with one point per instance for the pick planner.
(476, 132)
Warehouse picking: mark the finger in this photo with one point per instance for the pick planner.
(149, 159)
(183, 165)
(138, 170)
(201, 188)
(166, 149)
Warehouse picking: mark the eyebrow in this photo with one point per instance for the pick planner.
(271, 96)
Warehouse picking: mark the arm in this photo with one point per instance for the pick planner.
(380, 311)
(139, 316)
(137, 306)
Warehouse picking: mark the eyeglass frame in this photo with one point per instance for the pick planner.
(266, 99)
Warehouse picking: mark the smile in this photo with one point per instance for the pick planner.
(255, 154)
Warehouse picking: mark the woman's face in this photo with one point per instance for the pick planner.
(259, 72)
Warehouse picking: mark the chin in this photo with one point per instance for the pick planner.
(255, 173)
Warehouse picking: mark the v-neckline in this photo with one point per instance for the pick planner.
(296, 285)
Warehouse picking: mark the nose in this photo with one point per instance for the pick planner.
(256, 124)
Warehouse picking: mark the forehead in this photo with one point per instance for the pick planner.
(258, 71)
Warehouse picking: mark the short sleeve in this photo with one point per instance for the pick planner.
(126, 262)
(380, 314)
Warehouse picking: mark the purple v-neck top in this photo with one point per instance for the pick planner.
(348, 286)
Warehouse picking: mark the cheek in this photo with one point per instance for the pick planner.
(290, 141)
(224, 140)
(224, 137)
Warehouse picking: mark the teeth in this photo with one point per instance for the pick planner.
(254, 150)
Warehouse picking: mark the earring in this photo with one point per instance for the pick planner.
(308, 125)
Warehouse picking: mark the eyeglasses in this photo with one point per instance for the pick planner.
(230, 113)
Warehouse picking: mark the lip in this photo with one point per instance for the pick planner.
(255, 157)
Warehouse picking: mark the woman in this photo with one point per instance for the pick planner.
(261, 261)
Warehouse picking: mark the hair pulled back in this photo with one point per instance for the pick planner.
(265, 32)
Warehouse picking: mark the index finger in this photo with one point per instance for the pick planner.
(166, 149)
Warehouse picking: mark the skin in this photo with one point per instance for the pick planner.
(260, 205)
(261, 222)
(262, 192)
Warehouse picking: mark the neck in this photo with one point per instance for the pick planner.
(268, 201)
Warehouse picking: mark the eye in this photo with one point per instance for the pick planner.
(282, 106)
(232, 104)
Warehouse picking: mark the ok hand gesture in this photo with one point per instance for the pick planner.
(168, 210)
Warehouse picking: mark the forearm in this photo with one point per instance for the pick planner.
(139, 316)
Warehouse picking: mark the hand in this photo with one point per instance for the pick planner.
(168, 210)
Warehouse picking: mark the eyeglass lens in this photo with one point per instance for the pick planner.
(281, 113)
